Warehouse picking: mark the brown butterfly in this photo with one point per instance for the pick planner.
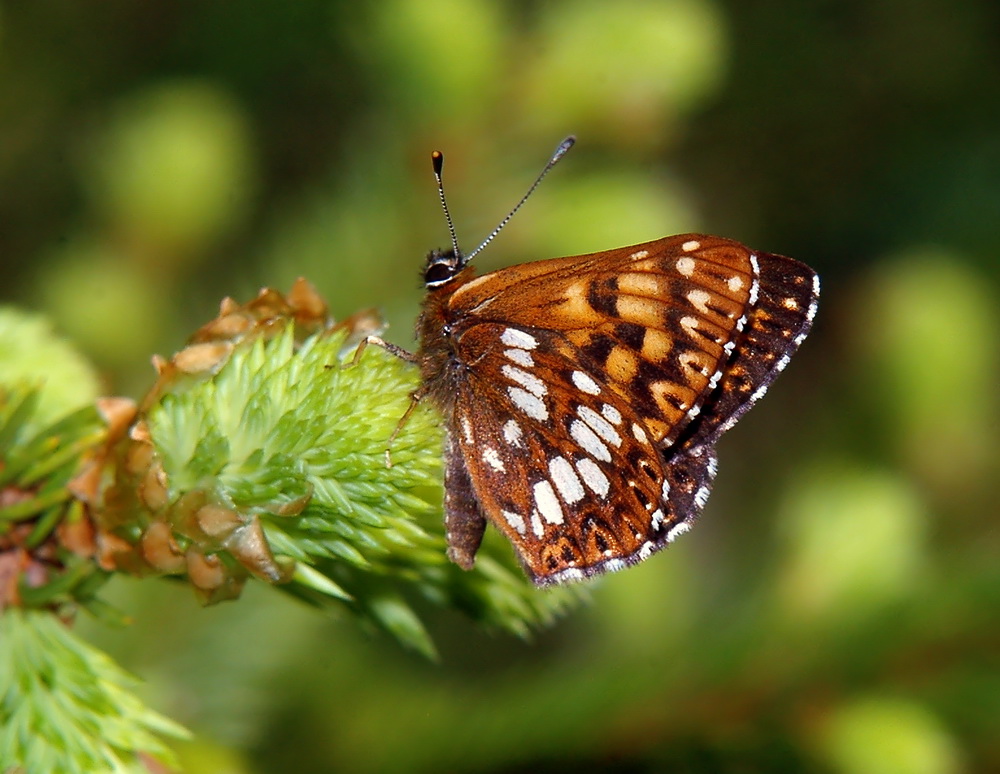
(584, 396)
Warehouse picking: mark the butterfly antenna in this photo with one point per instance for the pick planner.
(437, 159)
(564, 146)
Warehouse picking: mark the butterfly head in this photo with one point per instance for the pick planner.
(442, 267)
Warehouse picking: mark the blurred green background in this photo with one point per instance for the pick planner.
(838, 607)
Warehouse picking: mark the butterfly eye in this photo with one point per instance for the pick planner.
(441, 268)
(437, 274)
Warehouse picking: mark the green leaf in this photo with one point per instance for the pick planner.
(66, 707)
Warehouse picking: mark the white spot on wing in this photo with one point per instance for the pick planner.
(639, 254)
(530, 382)
(815, 301)
(685, 265)
(611, 413)
(528, 403)
(758, 394)
(513, 337)
(491, 458)
(585, 383)
(735, 284)
(690, 324)
(699, 299)
(565, 479)
(810, 313)
(467, 430)
(536, 524)
(515, 520)
(567, 576)
(548, 504)
(701, 496)
(520, 356)
(755, 284)
(600, 425)
(657, 517)
(639, 433)
(512, 432)
(588, 441)
(593, 476)
(678, 530)
(690, 246)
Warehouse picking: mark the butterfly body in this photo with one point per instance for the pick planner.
(584, 395)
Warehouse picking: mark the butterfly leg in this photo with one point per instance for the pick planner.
(389, 347)
(464, 523)
(415, 397)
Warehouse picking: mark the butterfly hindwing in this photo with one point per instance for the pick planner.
(558, 461)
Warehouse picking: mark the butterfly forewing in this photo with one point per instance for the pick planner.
(777, 323)
(585, 394)
(658, 321)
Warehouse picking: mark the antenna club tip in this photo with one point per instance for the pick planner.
(437, 159)
(564, 146)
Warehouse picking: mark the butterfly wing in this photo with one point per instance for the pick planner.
(777, 323)
(669, 324)
(559, 464)
(594, 388)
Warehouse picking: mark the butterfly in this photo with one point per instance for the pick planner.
(584, 396)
